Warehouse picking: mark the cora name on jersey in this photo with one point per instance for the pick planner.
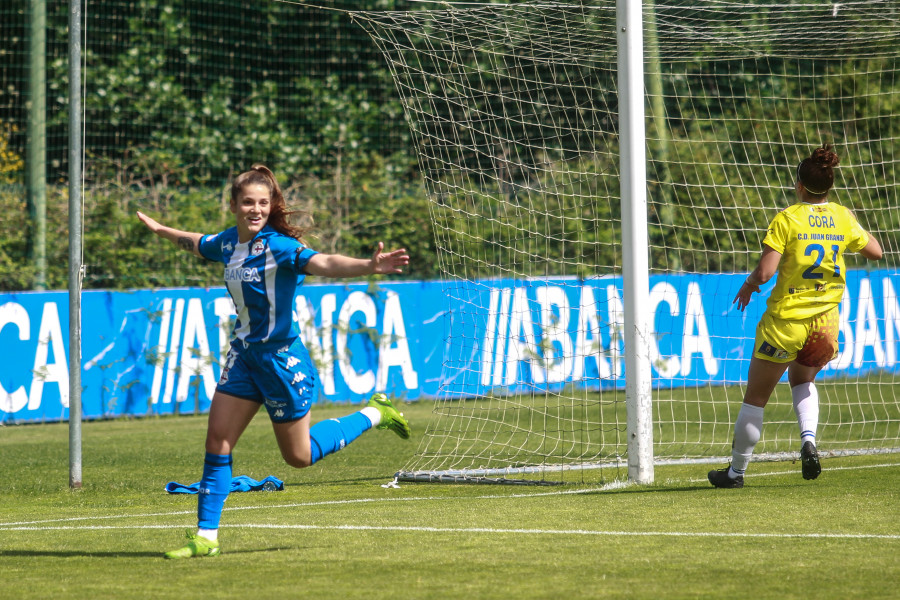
(826, 221)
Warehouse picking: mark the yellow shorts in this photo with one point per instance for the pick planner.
(815, 339)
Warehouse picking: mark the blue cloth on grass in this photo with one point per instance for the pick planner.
(241, 483)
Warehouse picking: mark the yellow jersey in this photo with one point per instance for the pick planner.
(812, 239)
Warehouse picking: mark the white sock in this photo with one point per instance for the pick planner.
(210, 534)
(373, 415)
(747, 430)
(806, 405)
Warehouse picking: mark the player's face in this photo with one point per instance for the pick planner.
(251, 210)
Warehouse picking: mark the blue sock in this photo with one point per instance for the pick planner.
(214, 488)
(327, 437)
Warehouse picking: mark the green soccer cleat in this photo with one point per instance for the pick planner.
(197, 546)
(391, 418)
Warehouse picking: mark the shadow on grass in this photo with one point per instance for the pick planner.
(76, 553)
(378, 479)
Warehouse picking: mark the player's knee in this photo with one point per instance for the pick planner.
(298, 461)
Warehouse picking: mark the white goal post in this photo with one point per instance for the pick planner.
(593, 227)
(635, 259)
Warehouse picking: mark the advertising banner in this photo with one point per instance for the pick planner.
(159, 352)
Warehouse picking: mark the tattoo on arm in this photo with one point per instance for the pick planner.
(186, 243)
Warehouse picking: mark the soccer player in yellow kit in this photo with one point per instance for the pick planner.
(805, 244)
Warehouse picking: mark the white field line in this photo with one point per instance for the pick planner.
(591, 490)
(753, 475)
(493, 530)
(33, 525)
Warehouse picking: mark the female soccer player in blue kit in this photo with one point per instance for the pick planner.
(799, 330)
(265, 262)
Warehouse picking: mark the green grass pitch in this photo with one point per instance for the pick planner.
(336, 532)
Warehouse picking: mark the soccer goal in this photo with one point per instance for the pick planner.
(516, 113)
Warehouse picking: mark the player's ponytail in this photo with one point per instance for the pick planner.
(279, 215)
(816, 173)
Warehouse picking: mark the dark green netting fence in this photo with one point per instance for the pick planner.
(181, 95)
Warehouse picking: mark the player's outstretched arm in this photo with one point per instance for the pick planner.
(340, 266)
(186, 240)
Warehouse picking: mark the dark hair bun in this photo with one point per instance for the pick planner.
(824, 157)
(816, 173)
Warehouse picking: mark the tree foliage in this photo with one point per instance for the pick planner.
(180, 96)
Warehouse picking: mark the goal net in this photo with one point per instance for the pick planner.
(514, 110)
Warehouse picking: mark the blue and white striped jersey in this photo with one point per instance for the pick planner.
(262, 276)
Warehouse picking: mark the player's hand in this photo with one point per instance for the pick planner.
(744, 294)
(385, 263)
(153, 225)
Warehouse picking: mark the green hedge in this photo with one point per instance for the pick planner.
(350, 213)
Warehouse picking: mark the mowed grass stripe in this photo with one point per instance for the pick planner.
(485, 530)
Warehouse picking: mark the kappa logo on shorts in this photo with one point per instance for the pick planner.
(770, 350)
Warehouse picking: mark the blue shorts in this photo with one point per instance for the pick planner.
(283, 377)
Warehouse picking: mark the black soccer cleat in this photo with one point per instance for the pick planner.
(809, 461)
(720, 479)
